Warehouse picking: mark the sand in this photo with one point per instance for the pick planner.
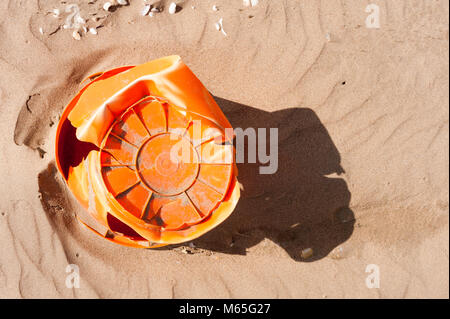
(363, 171)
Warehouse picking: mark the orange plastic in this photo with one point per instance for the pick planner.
(118, 144)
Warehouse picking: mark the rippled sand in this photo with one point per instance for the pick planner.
(363, 149)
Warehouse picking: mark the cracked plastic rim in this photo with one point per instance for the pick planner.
(112, 148)
(155, 186)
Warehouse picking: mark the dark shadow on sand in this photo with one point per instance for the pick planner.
(298, 207)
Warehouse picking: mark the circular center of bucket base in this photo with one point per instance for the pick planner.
(167, 164)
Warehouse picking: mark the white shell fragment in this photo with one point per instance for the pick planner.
(122, 2)
(219, 27)
(145, 10)
(93, 31)
(74, 19)
(107, 6)
(215, 8)
(249, 3)
(76, 35)
(172, 8)
(56, 13)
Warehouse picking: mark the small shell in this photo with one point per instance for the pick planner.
(107, 6)
(338, 253)
(41, 31)
(252, 3)
(151, 14)
(307, 253)
(215, 8)
(155, 10)
(172, 8)
(221, 27)
(93, 31)
(76, 35)
(56, 13)
(122, 2)
(145, 10)
(218, 26)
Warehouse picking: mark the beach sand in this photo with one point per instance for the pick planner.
(363, 171)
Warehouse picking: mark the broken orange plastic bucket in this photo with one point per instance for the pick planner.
(118, 147)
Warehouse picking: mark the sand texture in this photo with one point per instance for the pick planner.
(363, 171)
